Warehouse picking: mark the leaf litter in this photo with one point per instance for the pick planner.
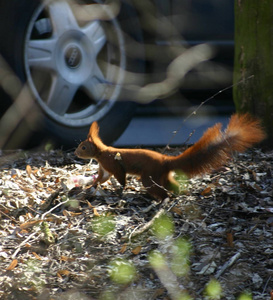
(61, 238)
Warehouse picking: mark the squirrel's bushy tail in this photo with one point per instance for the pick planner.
(215, 147)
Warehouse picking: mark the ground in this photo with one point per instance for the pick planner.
(62, 239)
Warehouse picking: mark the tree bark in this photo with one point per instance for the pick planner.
(253, 60)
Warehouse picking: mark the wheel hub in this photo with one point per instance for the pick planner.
(68, 56)
(73, 57)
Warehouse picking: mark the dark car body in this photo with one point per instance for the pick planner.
(145, 39)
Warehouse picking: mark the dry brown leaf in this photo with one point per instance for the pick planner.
(54, 219)
(28, 169)
(206, 191)
(23, 231)
(47, 173)
(13, 264)
(71, 213)
(89, 204)
(177, 211)
(29, 215)
(136, 250)
(66, 258)
(4, 210)
(29, 224)
(75, 214)
(27, 189)
(66, 213)
(123, 249)
(36, 256)
(230, 239)
(62, 273)
(96, 212)
(40, 184)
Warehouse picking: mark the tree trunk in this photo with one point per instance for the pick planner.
(253, 61)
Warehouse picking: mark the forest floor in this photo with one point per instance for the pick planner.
(62, 239)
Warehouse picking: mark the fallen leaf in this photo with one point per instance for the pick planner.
(206, 191)
(123, 249)
(96, 212)
(75, 214)
(230, 239)
(66, 258)
(28, 169)
(40, 184)
(62, 273)
(66, 213)
(29, 224)
(13, 264)
(36, 255)
(177, 211)
(136, 250)
(89, 204)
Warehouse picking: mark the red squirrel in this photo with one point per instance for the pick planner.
(212, 150)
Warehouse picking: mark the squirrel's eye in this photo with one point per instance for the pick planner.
(83, 148)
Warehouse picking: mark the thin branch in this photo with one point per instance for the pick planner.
(228, 264)
(148, 225)
(200, 105)
(22, 244)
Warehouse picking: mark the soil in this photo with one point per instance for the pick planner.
(62, 239)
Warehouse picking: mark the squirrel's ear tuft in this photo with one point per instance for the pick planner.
(93, 136)
(93, 131)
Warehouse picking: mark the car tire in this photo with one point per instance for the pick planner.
(59, 60)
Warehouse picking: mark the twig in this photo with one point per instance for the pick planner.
(151, 222)
(162, 187)
(53, 208)
(228, 264)
(50, 199)
(22, 244)
(266, 284)
(7, 216)
(200, 105)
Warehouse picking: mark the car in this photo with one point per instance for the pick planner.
(66, 64)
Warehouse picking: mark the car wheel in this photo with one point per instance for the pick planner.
(69, 64)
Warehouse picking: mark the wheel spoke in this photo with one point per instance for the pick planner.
(62, 17)
(95, 84)
(95, 88)
(40, 54)
(61, 95)
(96, 34)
